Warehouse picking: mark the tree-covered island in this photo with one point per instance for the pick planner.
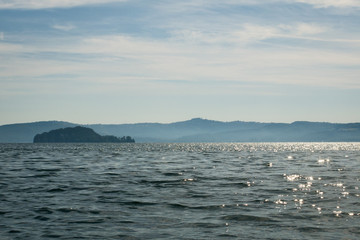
(78, 135)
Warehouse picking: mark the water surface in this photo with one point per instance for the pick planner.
(180, 191)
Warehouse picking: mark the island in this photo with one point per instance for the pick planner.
(78, 135)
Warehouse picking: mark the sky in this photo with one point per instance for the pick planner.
(132, 61)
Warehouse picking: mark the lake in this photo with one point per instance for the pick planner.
(180, 191)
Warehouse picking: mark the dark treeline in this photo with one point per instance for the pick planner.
(78, 135)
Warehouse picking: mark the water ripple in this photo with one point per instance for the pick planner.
(180, 191)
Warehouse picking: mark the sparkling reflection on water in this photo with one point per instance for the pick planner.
(180, 191)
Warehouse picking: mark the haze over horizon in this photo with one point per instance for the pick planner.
(134, 61)
(172, 122)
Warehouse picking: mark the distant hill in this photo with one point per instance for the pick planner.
(25, 132)
(77, 135)
(201, 130)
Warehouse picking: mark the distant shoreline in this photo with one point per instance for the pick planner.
(199, 130)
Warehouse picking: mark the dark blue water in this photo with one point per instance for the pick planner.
(180, 191)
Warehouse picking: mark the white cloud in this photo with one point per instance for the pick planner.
(186, 5)
(66, 27)
(167, 59)
(316, 3)
(6, 48)
(39, 4)
(138, 61)
(332, 3)
(2, 36)
(250, 33)
(303, 29)
(172, 6)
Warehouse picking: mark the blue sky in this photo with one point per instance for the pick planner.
(129, 61)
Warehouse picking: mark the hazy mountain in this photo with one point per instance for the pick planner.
(200, 130)
(25, 132)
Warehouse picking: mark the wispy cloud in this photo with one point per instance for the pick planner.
(316, 3)
(180, 6)
(251, 33)
(10, 48)
(185, 5)
(2, 36)
(40, 4)
(119, 59)
(332, 3)
(66, 27)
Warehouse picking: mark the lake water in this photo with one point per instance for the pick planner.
(180, 191)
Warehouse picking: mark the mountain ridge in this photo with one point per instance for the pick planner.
(198, 130)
